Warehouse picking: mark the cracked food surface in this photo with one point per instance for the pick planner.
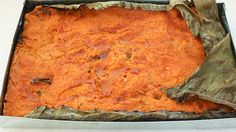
(112, 59)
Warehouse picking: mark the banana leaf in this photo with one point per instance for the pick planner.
(66, 113)
(215, 80)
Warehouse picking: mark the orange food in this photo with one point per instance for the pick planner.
(112, 59)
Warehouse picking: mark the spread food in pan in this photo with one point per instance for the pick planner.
(113, 59)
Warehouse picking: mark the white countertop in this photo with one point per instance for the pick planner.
(9, 15)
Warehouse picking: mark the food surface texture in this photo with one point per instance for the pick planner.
(111, 59)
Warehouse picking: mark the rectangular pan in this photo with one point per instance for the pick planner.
(7, 121)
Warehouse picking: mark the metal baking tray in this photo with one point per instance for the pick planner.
(9, 121)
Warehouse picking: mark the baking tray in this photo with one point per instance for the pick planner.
(9, 121)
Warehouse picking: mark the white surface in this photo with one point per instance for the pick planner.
(107, 130)
(9, 15)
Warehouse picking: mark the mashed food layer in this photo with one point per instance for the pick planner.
(112, 59)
